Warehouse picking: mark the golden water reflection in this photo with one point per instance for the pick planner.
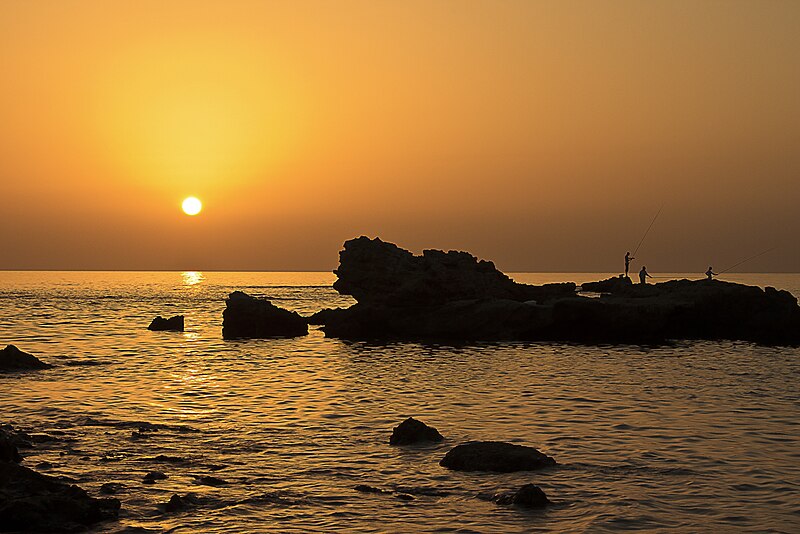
(192, 278)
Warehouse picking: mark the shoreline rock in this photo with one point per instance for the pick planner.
(12, 359)
(411, 431)
(250, 317)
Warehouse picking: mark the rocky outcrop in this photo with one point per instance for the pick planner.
(411, 431)
(528, 496)
(173, 324)
(376, 272)
(13, 359)
(496, 456)
(250, 317)
(609, 285)
(455, 297)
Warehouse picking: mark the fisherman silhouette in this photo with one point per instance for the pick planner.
(710, 273)
(643, 274)
(628, 259)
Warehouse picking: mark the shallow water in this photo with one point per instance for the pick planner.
(691, 437)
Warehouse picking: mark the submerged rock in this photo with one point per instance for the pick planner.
(412, 431)
(32, 502)
(173, 324)
(208, 480)
(13, 359)
(528, 496)
(177, 503)
(152, 476)
(495, 456)
(250, 317)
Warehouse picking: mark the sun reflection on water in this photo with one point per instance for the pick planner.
(192, 278)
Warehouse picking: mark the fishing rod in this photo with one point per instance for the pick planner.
(748, 259)
(648, 230)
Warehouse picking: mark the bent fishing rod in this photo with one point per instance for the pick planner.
(746, 260)
(647, 231)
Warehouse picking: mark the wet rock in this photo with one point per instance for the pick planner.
(165, 458)
(152, 476)
(173, 324)
(495, 456)
(44, 466)
(412, 431)
(111, 488)
(404, 496)
(177, 503)
(364, 488)
(209, 481)
(32, 502)
(8, 448)
(250, 317)
(528, 496)
(13, 359)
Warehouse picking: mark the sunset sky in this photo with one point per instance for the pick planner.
(542, 135)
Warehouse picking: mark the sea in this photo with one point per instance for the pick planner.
(691, 436)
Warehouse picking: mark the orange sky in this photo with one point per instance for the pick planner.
(541, 135)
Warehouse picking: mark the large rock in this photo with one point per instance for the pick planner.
(412, 431)
(173, 324)
(496, 456)
(32, 502)
(13, 359)
(250, 317)
(376, 272)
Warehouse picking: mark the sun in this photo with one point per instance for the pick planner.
(192, 206)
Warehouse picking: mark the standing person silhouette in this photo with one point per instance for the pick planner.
(628, 259)
(710, 273)
(643, 274)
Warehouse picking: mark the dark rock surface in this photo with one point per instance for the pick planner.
(250, 317)
(173, 324)
(495, 456)
(208, 480)
(177, 503)
(152, 476)
(528, 496)
(412, 431)
(454, 297)
(32, 502)
(615, 283)
(13, 359)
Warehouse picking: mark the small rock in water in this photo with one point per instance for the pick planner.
(364, 488)
(210, 481)
(495, 456)
(152, 476)
(528, 496)
(13, 359)
(404, 496)
(250, 317)
(177, 503)
(44, 465)
(111, 488)
(413, 431)
(173, 324)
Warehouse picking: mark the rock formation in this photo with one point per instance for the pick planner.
(173, 324)
(412, 431)
(453, 296)
(32, 502)
(250, 317)
(496, 456)
(13, 359)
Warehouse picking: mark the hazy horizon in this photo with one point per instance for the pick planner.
(543, 136)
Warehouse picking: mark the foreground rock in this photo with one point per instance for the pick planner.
(495, 456)
(454, 297)
(173, 324)
(13, 359)
(250, 317)
(528, 496)
(412, 431)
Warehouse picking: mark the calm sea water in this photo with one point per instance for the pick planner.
(694, 437)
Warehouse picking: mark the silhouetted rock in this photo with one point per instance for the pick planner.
(495, 456)
(321, 317)
(376, 272)
(173, 324)
(528, 496)
(364, 488)
(111, 488)
(412, 431)
(8, 447)
(32, 502)
(177, 503)
(13, 359)
(152, 476)
(250, 317)
(210, 481)
(615, 283)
